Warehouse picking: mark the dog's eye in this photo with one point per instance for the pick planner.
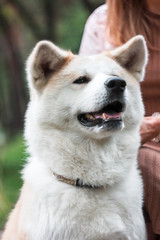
(81, 80)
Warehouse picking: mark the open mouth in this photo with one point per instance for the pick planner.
(110, 116)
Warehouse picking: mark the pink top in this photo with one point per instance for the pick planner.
(96, 39)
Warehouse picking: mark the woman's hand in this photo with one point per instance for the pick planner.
(150, 128)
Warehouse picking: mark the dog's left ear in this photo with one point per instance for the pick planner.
(45, 60)
(133, 56)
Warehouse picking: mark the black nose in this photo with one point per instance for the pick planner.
(115, 84)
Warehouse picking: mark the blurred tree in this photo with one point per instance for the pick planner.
(49, 16)
(92, 4)
(13, 111)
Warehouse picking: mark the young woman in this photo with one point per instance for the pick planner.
(110, 26)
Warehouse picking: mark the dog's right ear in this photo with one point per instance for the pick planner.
(45, 60)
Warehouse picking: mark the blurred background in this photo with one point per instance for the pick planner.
(22, 24)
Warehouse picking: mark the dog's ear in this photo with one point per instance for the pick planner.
(45, 59)
(133, 56)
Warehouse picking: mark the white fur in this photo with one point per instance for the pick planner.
(58, 142)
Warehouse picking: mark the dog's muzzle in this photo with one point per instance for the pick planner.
(110, 116)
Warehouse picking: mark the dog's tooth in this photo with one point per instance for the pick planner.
(104, 116)
(89, 116)
(92, 117)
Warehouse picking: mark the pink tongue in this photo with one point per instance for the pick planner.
(106, 115)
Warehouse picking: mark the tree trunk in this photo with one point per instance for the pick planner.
(13, 115)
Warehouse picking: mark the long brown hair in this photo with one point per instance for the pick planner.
(127, 18)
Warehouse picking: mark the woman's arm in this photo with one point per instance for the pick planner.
(150, 128)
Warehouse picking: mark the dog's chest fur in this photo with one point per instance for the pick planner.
(60, 211)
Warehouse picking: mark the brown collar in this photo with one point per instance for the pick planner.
(77, 182)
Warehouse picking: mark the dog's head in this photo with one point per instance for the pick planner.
(94, 95)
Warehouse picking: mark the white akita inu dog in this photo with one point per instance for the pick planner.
(82, 131)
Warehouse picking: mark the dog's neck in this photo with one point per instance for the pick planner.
(94, 162)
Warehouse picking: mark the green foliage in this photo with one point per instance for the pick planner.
(11, 162)
(70, 28)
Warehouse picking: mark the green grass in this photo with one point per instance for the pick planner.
(11, 162)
